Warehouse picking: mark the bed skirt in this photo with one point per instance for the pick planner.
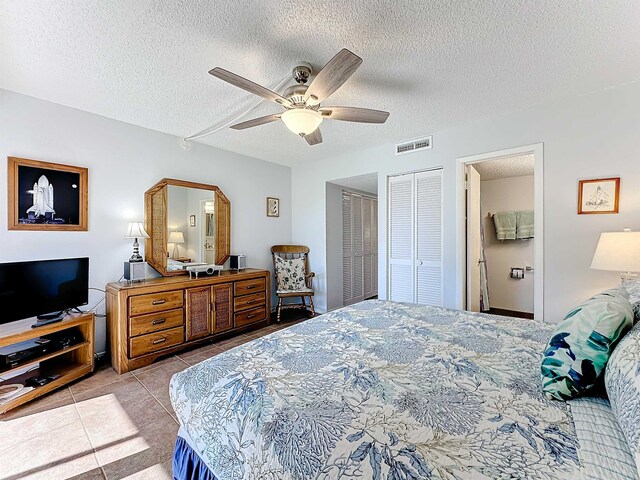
(187, 465)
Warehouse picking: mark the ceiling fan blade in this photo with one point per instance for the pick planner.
(254, 122)
(354, 114)
(332, 75)
(248, 85)
(314, 137)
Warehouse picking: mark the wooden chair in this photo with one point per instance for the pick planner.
(288, 252)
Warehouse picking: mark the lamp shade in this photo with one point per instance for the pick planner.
(301, 121)
(175, 237)
(136, 230)
(618, 251)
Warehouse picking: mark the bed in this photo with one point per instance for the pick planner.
(384, 390)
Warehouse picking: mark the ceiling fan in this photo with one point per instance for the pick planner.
(303, 113)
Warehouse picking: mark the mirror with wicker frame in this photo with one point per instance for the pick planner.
(187, 223)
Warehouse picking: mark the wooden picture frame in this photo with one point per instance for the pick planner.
(599, 196)
(273, 207)
(55, 205)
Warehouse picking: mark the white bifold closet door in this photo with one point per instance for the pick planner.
(415, 238)
(359, 247)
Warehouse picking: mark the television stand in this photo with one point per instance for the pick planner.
(67, 364)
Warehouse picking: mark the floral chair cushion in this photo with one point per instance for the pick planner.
(622, 381)
(581, 344)
(290, 273)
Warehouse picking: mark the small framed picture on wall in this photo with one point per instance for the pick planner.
(273, 207)
(192, 220)
(600, 195)
(46, 196)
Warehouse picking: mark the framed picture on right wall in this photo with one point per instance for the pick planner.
(600, 195)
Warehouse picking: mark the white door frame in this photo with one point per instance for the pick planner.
(461, 282)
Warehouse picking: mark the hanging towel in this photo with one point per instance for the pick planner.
(524, 224)
(505, 223)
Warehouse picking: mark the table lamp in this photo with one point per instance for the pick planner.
(618, 251)
(175, 237)
(135, 231)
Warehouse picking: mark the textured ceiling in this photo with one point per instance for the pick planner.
(431, 64)
(506, 167)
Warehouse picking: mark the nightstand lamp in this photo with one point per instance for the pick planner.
(176, 238)
(619, 252)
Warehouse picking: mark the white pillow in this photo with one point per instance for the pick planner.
(622, 381)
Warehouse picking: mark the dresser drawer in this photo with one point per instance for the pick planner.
(153, 342)
(155, 302)
(248, 301)
(154, 322)
(250, 316)
(246, 287)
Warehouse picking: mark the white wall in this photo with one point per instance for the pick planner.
(124, 161)
(334, 262)
(591, 136)
(515, 193)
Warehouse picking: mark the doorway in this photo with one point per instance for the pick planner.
(352, 240)
(207, 231)
(502, 234)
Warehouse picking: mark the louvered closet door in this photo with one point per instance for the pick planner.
(428, 186)
(347, 264)
(401, 238)
(358, 248)
(367, 261)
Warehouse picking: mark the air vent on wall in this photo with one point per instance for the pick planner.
(413, 145)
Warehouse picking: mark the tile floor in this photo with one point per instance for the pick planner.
(106, 426)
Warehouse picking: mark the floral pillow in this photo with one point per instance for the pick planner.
(622, 381)
(633, 287)
(290, 273)
(581, 344)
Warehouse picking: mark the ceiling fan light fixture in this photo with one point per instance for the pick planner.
(301, 121)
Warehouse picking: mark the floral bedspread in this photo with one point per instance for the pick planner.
(380, 390)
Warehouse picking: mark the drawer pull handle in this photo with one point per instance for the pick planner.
(158, 302)
(251, 316)
(253, 285)
(159, 340)
(158, 321)
(249, 302)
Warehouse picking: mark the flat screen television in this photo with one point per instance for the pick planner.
(29, 289)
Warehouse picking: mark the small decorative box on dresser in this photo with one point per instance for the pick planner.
(155, 318)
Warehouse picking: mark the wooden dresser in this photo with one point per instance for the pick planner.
(158, 317)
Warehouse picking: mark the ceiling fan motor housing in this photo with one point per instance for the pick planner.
(295, 94)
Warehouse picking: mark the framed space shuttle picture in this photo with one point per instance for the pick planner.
(600, 195)
(47, 196)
